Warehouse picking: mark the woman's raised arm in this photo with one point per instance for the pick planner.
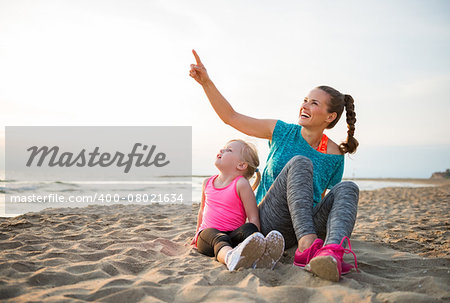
(261, 128)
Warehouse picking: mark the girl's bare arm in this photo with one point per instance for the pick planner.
(248, 199)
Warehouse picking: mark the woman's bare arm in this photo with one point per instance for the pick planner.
(260, 128)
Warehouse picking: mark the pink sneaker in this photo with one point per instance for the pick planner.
(303, 258)
(328, 262)
(346, 268)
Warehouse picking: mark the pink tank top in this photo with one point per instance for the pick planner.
(223, 208)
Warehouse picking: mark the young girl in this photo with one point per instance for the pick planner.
(227, 201)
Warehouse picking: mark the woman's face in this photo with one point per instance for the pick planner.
(314, 109)
(230, 156)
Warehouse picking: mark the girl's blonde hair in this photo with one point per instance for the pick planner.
(250, 156)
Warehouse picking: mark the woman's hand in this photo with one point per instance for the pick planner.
(198, 71)
(260, 128)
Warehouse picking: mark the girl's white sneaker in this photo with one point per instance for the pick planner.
(246, 253)
(274, 250)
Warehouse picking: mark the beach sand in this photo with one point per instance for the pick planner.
(141, 253)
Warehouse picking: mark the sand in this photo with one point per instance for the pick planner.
(141, 253)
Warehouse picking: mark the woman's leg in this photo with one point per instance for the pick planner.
(287, 206)
(335, 216)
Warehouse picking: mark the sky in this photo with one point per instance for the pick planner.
(122, 63)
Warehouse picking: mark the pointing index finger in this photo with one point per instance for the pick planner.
(197, 58)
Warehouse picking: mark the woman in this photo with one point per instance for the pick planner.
(302, 164)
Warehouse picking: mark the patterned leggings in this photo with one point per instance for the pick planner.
(288, 206)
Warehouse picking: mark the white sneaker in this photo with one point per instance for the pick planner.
(246, 253)
(274, 250)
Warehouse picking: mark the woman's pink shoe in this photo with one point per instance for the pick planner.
(303, 258)
(328, 262)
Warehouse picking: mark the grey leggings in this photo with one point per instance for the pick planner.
(288, 206)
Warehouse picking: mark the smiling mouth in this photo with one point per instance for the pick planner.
(303, 115)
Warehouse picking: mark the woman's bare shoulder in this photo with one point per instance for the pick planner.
(333, 148)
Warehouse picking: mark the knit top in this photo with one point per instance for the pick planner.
(287, 142)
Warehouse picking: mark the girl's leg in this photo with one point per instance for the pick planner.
(240, 234)
(287, 206)
(335, 216)
(215, 243)
(210, 241)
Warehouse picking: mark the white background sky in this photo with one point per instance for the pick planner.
(127, 63)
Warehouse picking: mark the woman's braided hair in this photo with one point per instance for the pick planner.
(336, 105)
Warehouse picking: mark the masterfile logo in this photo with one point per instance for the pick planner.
(91, 159)
(97, 153)
(48, 166)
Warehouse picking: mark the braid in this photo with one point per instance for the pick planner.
(350, 145)
(337, 103)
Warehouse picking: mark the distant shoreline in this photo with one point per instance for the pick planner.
(410, 180)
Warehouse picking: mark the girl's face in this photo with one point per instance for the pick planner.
(229, 157)
(314, 110)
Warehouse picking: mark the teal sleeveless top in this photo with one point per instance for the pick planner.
(287, 142)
